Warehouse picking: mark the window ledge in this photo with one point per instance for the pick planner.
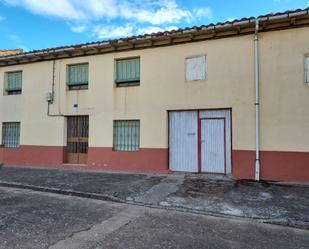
(126, 151)
(126, 84)
(78, 87)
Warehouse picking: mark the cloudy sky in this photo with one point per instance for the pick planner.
(36, 24)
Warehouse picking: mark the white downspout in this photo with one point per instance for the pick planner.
(257, 101)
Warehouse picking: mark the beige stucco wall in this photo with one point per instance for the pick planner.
(284, 96)
(30, 107)
(230, 83)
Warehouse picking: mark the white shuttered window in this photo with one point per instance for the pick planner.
(78, 76)
(13, 83)
(128, 71)
(196, 68)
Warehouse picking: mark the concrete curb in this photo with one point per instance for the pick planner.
(103, 197)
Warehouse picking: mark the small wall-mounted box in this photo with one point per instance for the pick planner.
(49, 97)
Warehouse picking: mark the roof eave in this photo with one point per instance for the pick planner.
(213, 31)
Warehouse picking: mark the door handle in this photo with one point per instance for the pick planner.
(191, 133)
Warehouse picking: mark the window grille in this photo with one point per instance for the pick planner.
(126, 135)
(11, 134)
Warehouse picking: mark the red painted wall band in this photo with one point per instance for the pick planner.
(275, 165)
(288, 166)
(144, 160)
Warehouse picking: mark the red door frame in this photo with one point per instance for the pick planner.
(200, 142)
(199, 131)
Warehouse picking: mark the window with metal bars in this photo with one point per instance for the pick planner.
(126, 135)
(78, 76)
(11, 134)
(13, 83)
(128, 72)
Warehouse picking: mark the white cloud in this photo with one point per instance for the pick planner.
(99, 8)
(63, 9)
(112, 31)
(79, 28)
(155, 12)
(69, 9)
(149, 30)
(203, 12)
(105, 31)
(154, 29)
(99, 16)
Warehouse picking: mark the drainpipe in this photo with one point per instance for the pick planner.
(257, 101)
(50, 96)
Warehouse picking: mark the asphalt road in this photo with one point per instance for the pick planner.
(38, 220)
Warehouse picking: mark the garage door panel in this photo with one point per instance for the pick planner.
(213, 145)
(183, 142)
(228, 132)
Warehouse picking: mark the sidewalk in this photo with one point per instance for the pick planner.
(215, 195)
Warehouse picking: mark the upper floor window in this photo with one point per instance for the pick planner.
(11, 134)
(196, 68)
(128, 72)
(77, 76)
(307, 69)
(13, 83)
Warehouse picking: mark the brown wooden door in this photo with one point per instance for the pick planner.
(77, 139)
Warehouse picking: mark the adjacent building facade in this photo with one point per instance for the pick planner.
(174, 101)
(10, 51)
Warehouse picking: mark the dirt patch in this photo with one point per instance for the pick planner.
(251, 183)
(197, 187)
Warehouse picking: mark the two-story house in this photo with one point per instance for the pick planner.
(229, 98)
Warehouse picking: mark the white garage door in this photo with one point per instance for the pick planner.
(200, 141)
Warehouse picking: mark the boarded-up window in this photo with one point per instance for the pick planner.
(78, 76)
(126, 135)
(196, 68)
(128, 71)
(13, 83)
(10, 134)
(307, 69)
